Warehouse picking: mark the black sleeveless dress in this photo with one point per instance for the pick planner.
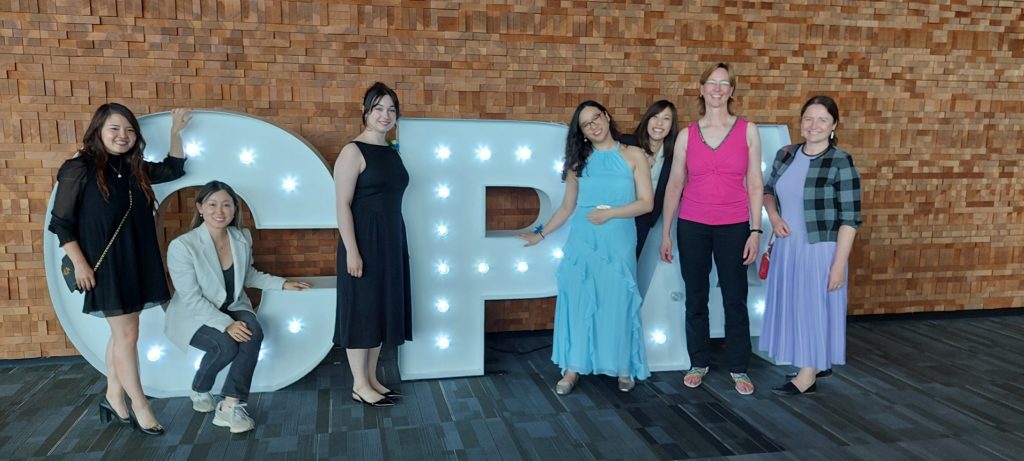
(376, 308)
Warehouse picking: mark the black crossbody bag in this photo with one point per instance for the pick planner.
(67, 269)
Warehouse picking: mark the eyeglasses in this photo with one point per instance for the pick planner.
(720, 83)
(590, 125)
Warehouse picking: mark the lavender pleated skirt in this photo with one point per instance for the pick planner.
(804, 323)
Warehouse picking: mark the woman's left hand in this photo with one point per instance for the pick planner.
(179, 120)
(751, 248)
(599, 216)
(836, 278)
(296, 286)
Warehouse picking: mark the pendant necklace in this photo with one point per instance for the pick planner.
(115, 169)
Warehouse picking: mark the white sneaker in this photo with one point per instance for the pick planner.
(235, 417)
(202, 402)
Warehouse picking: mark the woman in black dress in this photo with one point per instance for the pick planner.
(374, 304)
(108, 181)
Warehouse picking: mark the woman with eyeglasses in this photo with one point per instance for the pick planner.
(718, 159)
(597, 315)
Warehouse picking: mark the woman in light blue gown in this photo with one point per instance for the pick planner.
(597, 315)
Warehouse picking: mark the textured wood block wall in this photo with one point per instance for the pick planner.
(931, 95)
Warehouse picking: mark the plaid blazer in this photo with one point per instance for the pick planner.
(831, 191)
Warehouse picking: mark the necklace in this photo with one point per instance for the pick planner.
(115, 169)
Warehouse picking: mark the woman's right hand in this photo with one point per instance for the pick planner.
(239, 331)
(779, 227)
(666, 249)
(85, 277)
(532, 238)
(354, 263)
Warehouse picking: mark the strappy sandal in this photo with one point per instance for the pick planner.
(695, 377)
(742, 379)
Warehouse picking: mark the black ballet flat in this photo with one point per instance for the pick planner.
(154, 430)
(821, 374)
(383, 402)
(393, 395)
(107, 413)
(790, 389)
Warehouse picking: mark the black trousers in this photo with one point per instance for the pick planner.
(698, 244)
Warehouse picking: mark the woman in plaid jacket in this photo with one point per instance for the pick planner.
(813, 201)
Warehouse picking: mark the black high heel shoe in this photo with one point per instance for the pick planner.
(383, 402)
(108, 414)
(157, 429)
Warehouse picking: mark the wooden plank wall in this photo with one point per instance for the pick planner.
(931, 96)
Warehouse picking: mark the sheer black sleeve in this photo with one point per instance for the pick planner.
(71, 180)
(169, 169)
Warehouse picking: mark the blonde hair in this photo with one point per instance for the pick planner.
(704, 79)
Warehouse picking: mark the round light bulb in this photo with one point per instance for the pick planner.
(443, 342)
(154, 353)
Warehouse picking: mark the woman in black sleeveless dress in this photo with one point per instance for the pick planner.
(374, 304)
(105, 183)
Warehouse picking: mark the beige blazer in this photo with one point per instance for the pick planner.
(199, 283)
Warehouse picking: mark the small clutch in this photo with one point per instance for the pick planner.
(68, 271)
(766, 259)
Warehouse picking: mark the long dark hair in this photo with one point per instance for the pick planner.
(831, 107)
(644, 139)
(209, 189)
(92, 146)
(577, 148)
(374, 94)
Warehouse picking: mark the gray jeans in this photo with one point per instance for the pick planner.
(221, 350)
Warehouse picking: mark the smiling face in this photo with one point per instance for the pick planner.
(217, 210)
(816, 124)
(382, 115)
(594, 124)
(717, 89)
(117, 135)
(659, 126)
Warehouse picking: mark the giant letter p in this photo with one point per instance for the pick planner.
(456, 263)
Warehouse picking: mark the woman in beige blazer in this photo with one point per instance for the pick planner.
(209, 266)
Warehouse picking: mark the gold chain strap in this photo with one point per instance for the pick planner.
(117, 231)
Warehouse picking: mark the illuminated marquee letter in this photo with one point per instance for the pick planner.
(287, 185)
(456, 263)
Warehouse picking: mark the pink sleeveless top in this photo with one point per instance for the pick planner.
(715, 193)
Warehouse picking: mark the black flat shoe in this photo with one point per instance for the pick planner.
(156, 429)
(393, 395)
(821, 374)
(107, 413)
(383, 402)
(790, 389)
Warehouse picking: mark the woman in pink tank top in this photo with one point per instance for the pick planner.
(718, 160)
